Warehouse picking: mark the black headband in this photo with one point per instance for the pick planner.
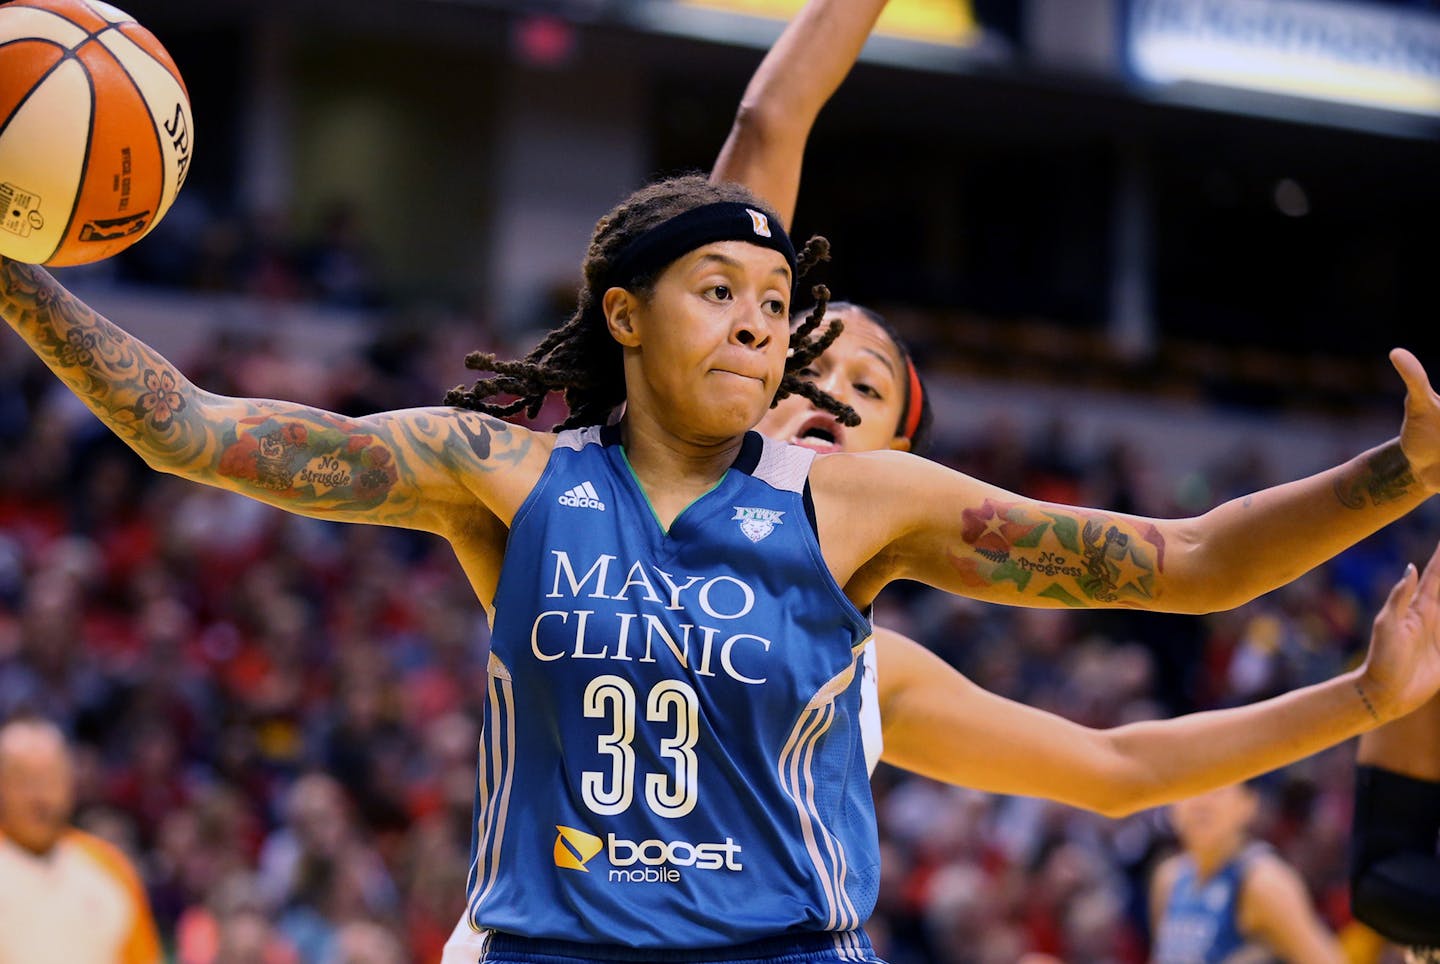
(722, 221)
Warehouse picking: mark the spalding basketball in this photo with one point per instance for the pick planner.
(95, 131)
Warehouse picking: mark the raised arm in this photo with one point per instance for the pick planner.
(941, 725)
(426, 469)
(766, 145)
(892, 516)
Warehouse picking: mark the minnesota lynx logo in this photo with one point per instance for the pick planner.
(756, 523)
(574, 848)
(759, 222)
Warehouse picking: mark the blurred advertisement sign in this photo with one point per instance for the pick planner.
(1366, 55)
(947, 22)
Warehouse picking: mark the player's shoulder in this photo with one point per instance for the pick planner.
(863, 472)
(1269, 885)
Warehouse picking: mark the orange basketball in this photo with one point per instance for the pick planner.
(95, 131)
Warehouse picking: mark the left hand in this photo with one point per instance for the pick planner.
(1420, 432)
(1402, 669)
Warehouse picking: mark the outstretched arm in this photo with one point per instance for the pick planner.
(766, 145)
(424, 468)
(941, 725)
(971, 538)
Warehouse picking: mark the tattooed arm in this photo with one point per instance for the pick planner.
(424, 469)
(891, 516)
(766, 145)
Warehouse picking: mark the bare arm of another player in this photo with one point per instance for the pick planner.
(429, 469)
(1276, 912)
(766, 145)
(1409, 746)
(941, 725)
(888, 515)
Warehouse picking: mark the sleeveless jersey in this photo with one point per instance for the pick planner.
(1201, 922)
(671, 753)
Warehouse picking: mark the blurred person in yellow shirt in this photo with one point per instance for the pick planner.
(66, 896)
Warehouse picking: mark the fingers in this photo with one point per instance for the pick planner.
(1403, 593)
(1417, 383)
(1430, 580)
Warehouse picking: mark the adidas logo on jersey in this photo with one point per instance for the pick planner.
(583, 496)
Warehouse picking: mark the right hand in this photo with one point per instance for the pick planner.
(1402, 669)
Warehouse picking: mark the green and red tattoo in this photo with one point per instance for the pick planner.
(1076, 557)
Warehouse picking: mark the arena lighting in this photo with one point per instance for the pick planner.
(1300, 58)
(940, 35)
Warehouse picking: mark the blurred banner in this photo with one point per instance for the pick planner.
(947, 22)
(1369, 55)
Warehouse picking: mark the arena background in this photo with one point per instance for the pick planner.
(1151, 253)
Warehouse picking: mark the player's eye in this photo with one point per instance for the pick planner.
(869, 391)
(720, 292)
(776, 307)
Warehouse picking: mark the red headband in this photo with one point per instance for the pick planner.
(914, 401)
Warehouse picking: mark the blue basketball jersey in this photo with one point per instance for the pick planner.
(1201, 922)
(671, 752)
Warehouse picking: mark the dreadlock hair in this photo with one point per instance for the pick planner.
(580, 358)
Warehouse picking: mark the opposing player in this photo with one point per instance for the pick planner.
(1395, 850)
(1227, 898)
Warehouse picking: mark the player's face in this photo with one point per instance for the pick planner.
(863, 369)
(706, 352)
(1213, 820)
(36, 793)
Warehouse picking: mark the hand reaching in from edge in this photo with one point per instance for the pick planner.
(1402, 669)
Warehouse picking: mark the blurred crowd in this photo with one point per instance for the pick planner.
(276, 717)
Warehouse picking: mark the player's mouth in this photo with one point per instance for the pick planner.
(821, 433)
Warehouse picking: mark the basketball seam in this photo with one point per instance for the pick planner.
(89, 34)
(171, 69)
(68, 54)
(85, 158)
(154, 128)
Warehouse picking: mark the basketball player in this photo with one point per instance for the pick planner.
(672, 764)
(1224, 898)
(65, 895)
(1395, 867)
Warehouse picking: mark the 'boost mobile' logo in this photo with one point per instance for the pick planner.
(574, 848)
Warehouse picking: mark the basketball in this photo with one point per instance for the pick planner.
(95, 131)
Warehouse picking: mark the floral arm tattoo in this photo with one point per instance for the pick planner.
(300, 458)
(1075, 557)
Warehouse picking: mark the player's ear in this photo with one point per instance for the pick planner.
(620, 307)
